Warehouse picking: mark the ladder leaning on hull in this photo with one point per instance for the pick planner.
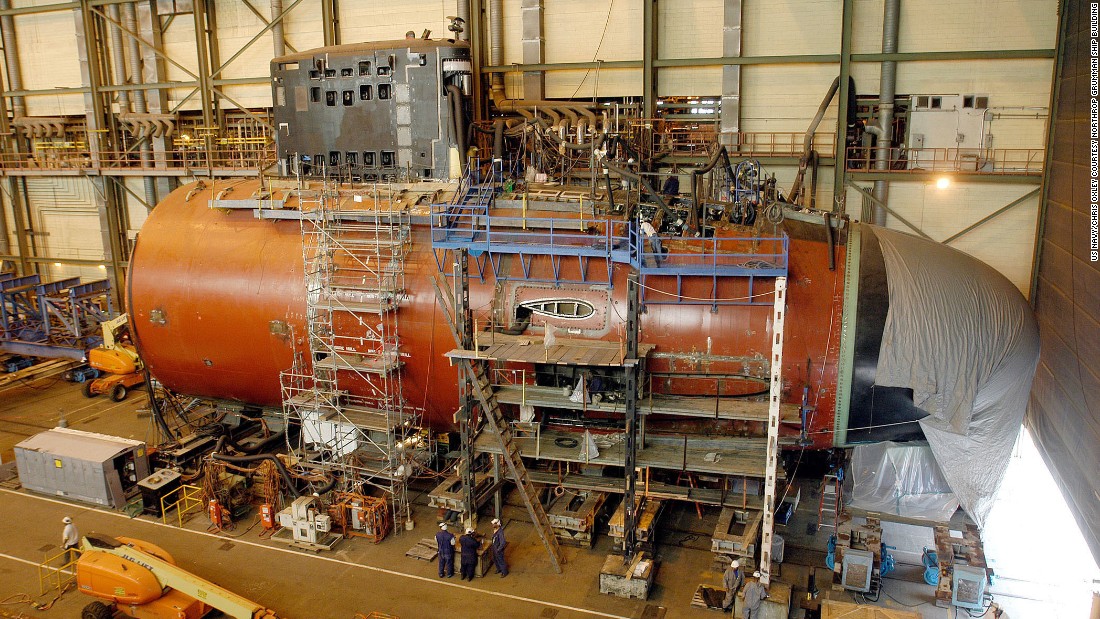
(486, 397)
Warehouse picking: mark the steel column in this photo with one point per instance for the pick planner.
(1048, 161)
(840, 167)
(12, 142)
(101, 137)
(129, 21)
(649, 57)
(154, 71)
(11, 58)
(476, 27)
(205, 74)
(330, 22)
(730, 119)
(630, 445)
(466, 415)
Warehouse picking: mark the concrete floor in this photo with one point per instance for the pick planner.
(360, 577)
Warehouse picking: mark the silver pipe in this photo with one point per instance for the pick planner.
(277, 29)
(129, 21)
(464, 13)
(887, 91)
(118, 58)
(496, 44)
(141, 105)
(11, 59)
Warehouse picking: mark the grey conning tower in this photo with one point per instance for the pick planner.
(371, 111)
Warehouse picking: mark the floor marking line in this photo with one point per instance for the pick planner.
(317, 557)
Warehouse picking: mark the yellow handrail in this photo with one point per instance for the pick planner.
(57, 571)
(185, 500)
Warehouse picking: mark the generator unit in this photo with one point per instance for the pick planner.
(83, 466)
(306, 523)
(154, 488)
(856, 574)
(390, 110)
(968, 587)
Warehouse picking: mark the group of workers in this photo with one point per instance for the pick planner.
(733, 579)
(469, 544)
(755, 593)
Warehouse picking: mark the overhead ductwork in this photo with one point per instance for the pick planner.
(41, 126)
(149, 125)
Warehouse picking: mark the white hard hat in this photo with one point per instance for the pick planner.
(67, 520)
(469, 530)
(496, 522)
(756, 574)
(442, 525)
(735, 563)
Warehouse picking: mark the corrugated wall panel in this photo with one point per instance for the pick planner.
(1064, 415)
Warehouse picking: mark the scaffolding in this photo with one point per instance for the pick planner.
(347, 395)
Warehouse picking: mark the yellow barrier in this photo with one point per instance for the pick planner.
(185, 500)
(57, 571)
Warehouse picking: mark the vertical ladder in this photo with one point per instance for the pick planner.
(487, 398)
(828, 509)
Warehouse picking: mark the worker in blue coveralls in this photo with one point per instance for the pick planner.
(499, 544)
(469, 545)
(445, 540)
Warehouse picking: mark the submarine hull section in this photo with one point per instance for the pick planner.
(218, 307)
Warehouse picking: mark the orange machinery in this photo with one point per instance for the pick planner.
(118, 360)
(141, 580)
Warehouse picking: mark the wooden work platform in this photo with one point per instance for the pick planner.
(833, 609)
(656, 404)
(500, 347)
(653, 490)
(355, 362)
(362, 417)
(695, 454)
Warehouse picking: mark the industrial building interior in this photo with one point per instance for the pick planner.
(674, 308)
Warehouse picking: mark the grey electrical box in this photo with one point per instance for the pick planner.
(857, 570)
(84, 466)
(968, 587)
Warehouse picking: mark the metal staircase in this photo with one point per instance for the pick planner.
(482, 389)
(354, 275)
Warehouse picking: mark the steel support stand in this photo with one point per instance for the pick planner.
(772, 463)
(841, 164)
(476, 33)
(330, 22)
(649, 57)
(633, 314)
(467, 422)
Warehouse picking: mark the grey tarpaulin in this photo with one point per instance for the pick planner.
(901, 479)
(963, 338)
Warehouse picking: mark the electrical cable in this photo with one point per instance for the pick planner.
(603, 34)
